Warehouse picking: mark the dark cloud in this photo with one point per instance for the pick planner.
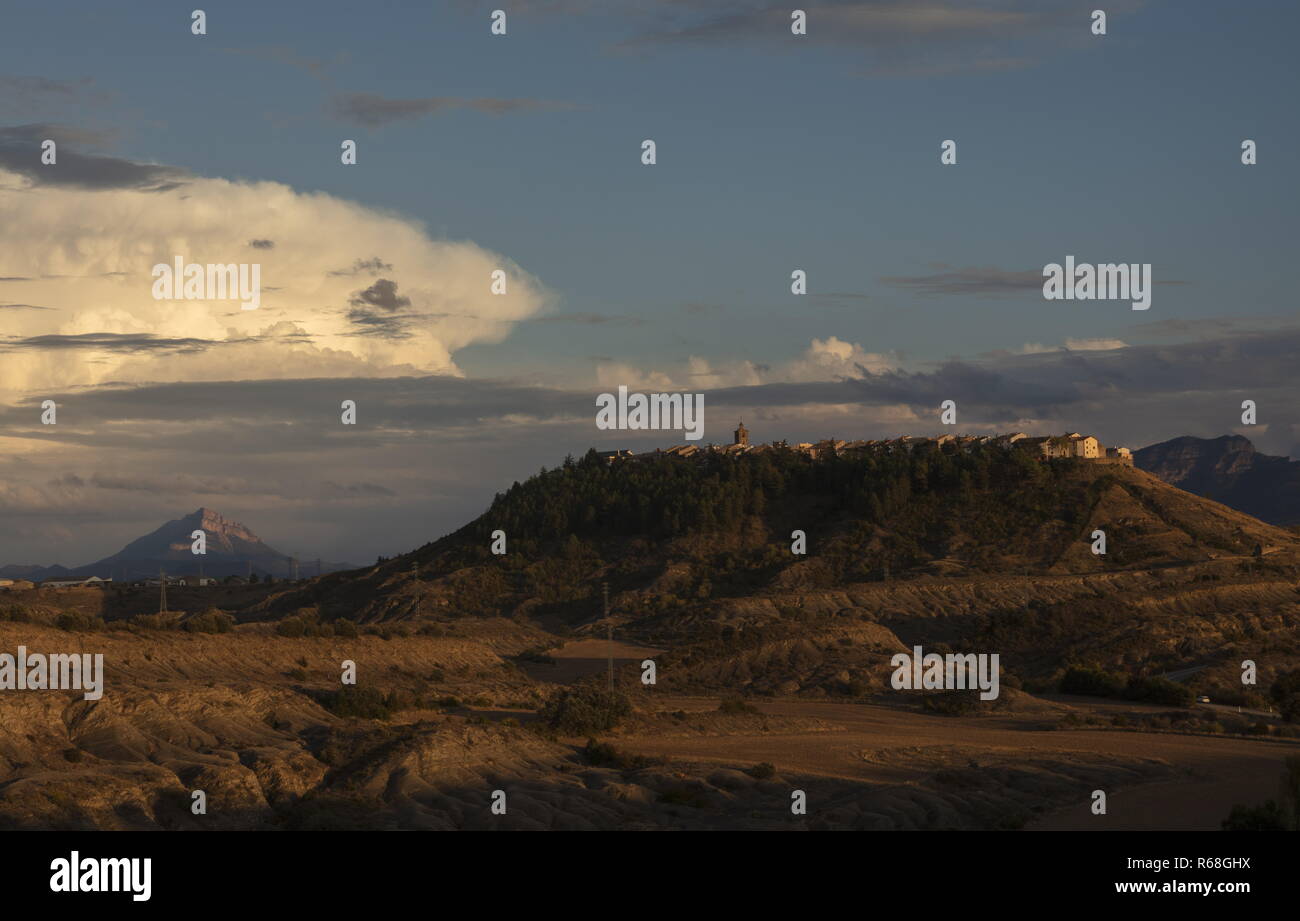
(902, 37)
(375, 311)
(262, 244)
(372, 266)
(371, 110)
(21, 93)
(20, 151)
(588, 319)
(354, 490)
(23, 307)
(116, 342)
(984, 281)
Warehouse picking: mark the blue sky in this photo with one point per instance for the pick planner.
(789, 152)
(775, 152)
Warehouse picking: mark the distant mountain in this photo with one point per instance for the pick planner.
(1228, 469)
(32, 572)
(231, 550)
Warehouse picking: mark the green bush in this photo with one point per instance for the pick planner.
(291, 626)
(1286, 695)
(1159, 691)
(585, 710)
(76, 622)
(345, 628)
(352, 700)
(1091, 682)
(210, 621)
(1268, 817)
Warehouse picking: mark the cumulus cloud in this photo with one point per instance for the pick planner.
(90, 249)
(828, 359)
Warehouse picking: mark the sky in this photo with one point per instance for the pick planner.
(522, 153)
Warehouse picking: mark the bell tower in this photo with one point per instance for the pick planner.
(742, 435)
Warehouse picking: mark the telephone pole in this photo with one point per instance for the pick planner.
(609, 635)
(162, 584)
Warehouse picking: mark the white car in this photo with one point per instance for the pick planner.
(1202, 699)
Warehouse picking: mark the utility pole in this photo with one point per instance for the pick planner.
(609, 635)
(162, 583)
(295, 568)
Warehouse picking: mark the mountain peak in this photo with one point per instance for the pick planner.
(1230, 470)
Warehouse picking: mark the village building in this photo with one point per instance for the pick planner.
(91, 581)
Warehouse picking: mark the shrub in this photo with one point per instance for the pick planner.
(951, 703)
(1286, 695)
(602, 754)
(401, 699)
(154, 621)
(351, 700)
(736, 706)
(291, 626)
(76, 622)
(16, 613)
(585, 710)
(1092, 682)
(346, 628)
(1268, 817)
(1159, 691)
(765, 770)
(210, 621)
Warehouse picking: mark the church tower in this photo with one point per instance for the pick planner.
(742, 435)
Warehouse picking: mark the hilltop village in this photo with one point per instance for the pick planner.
(1046, 447)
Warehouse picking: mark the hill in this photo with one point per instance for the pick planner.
(231, 548)
(1228, 469)
(986, 552)
(679, 531)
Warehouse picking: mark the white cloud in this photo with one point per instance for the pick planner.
(1073, 345)
(828, 359)
(89, 254)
